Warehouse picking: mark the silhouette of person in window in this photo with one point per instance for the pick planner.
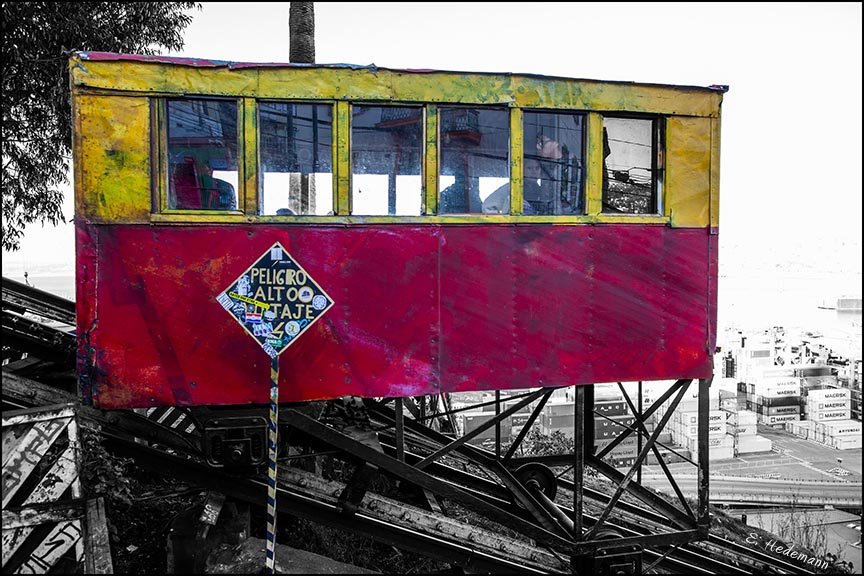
(538, 188)
(461, 197)
(221, 193)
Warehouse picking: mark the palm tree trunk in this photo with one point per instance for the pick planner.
(301, 27)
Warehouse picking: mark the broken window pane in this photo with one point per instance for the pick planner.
(295, 147)
(475, 159)
(386, 160)
(202, 155)
(630, 168)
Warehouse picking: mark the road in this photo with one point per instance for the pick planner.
(740, 489)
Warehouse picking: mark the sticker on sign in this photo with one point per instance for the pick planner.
(278, 288)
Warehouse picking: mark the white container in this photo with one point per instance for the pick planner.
(607, 392)
(843, 428)
(846, 443)
(830, 416)
(829, 394)
(783, 391)
(738, 430)
(742, 418)
(624, 452)
(773, 420)
(724, 441)
(719, 453)
(752, 444)
(803, 429)
(829, 405)
(629, 441)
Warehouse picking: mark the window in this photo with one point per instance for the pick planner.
(295, 147)
(474, 157)
(386, 159)
(202, 155)
(632, 165)
(554, 157)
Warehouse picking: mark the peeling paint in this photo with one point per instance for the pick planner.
(423, 304)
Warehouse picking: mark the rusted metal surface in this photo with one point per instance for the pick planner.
(282, 80)
(420, 310)
(424, 303)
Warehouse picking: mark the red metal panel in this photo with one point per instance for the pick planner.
(418, 310)
(562, 305)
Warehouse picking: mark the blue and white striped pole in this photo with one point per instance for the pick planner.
(271, 468)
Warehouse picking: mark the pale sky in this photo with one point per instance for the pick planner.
(791, 121)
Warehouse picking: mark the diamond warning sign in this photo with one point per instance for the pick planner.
(275, 300)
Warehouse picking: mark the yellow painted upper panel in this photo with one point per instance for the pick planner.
(113, 131)
(715, 174)
(688, 170)
(114, 159)
(161, 75)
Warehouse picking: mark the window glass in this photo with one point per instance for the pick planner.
(386, 160)
(202, 155)
(296, 158)
(474, 159)
(631, 182)
(554, 153)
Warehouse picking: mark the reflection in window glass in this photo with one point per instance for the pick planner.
(386, 159)
(296, 158)
(202, 155)
(554, 156)
(630, 148)
(475, 160)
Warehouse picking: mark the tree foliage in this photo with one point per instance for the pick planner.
(538, 444)
(38, 38)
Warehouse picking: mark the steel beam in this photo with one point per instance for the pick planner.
(704, 521)
(663, 466)
(644, 452)
(654, 407)
(416, 476)
(527, 427)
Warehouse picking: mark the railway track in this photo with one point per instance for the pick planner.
(472, 516)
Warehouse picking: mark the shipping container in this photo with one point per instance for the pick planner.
(846, 442)
(835, 405)
(776, 420)
(829, 394)
(741, 430)
(741, 417)
(631, 440)
(718, 453)
(772, 401)
(473, 420)
(780, 410)
(753, 444)
(787, 390)
(847, 427)
(611, 408)
(831, 415)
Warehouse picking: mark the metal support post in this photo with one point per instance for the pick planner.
(639, 436)
(704, 520)
(579, 460)
(400, 431)
(497, 424)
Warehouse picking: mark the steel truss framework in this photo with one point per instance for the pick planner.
(411, 439)
(520, 492)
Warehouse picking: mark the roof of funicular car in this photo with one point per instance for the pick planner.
(233, 65)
